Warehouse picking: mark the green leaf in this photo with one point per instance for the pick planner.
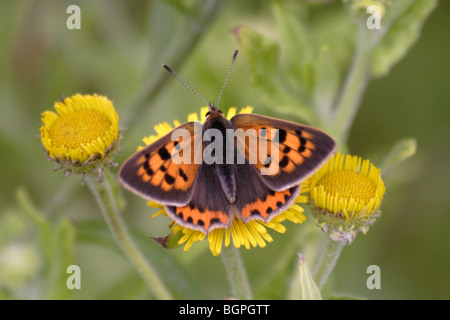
(262, 55)
(56, 242)
(298, 46)
(63, 257)
(401, 151)
(263, 58)
(65, 237)
(308, 288)
(42, 225)
(403, 20)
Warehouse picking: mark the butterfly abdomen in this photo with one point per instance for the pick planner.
(215, 129)
(227, 179)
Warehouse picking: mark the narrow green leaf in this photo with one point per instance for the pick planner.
(42, 225)
(308, 288)
(262, 55)
(402, 32)
(401, 151)
(298, 47)
(62, 259)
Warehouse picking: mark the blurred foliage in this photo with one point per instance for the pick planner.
(295, 59)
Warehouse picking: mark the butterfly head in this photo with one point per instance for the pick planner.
(213, 112)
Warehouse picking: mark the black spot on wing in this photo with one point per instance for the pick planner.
(281, 135)
(148, 169)
(183, 175)
(164, 154)
(169, 179)
(284, 162)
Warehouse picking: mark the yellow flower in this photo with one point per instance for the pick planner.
(346, 194)
(251, 234)
(82, 134)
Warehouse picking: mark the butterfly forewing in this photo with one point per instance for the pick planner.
(152, 173)
(287, 152)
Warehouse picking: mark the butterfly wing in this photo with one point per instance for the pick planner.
(192, 192)
(153, 174)
(208, 208)
(255, 200)
(287, 152)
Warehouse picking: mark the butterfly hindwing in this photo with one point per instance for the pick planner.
(152, 173)
(255, 200)
(209, 207)
(299, 151)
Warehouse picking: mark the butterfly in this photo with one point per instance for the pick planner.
(204, 195)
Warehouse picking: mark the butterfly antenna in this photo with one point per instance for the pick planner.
(228, 75)
(186, 85)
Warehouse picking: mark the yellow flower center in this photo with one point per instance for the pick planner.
(75, 129)
(348, 185)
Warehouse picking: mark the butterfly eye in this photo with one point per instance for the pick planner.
(220, 112)
(208, 113)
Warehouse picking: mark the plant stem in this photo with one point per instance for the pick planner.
(103, 194)
(354, 86)
(237, 276)
(331, 251)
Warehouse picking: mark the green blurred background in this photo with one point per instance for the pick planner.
(119, 48)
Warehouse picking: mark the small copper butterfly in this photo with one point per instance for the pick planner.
(205, 195)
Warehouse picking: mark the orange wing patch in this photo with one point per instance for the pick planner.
(291, 147)
(159, 170)
(299, 152)
(153, 173)
(192, 217)
(273, 204)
